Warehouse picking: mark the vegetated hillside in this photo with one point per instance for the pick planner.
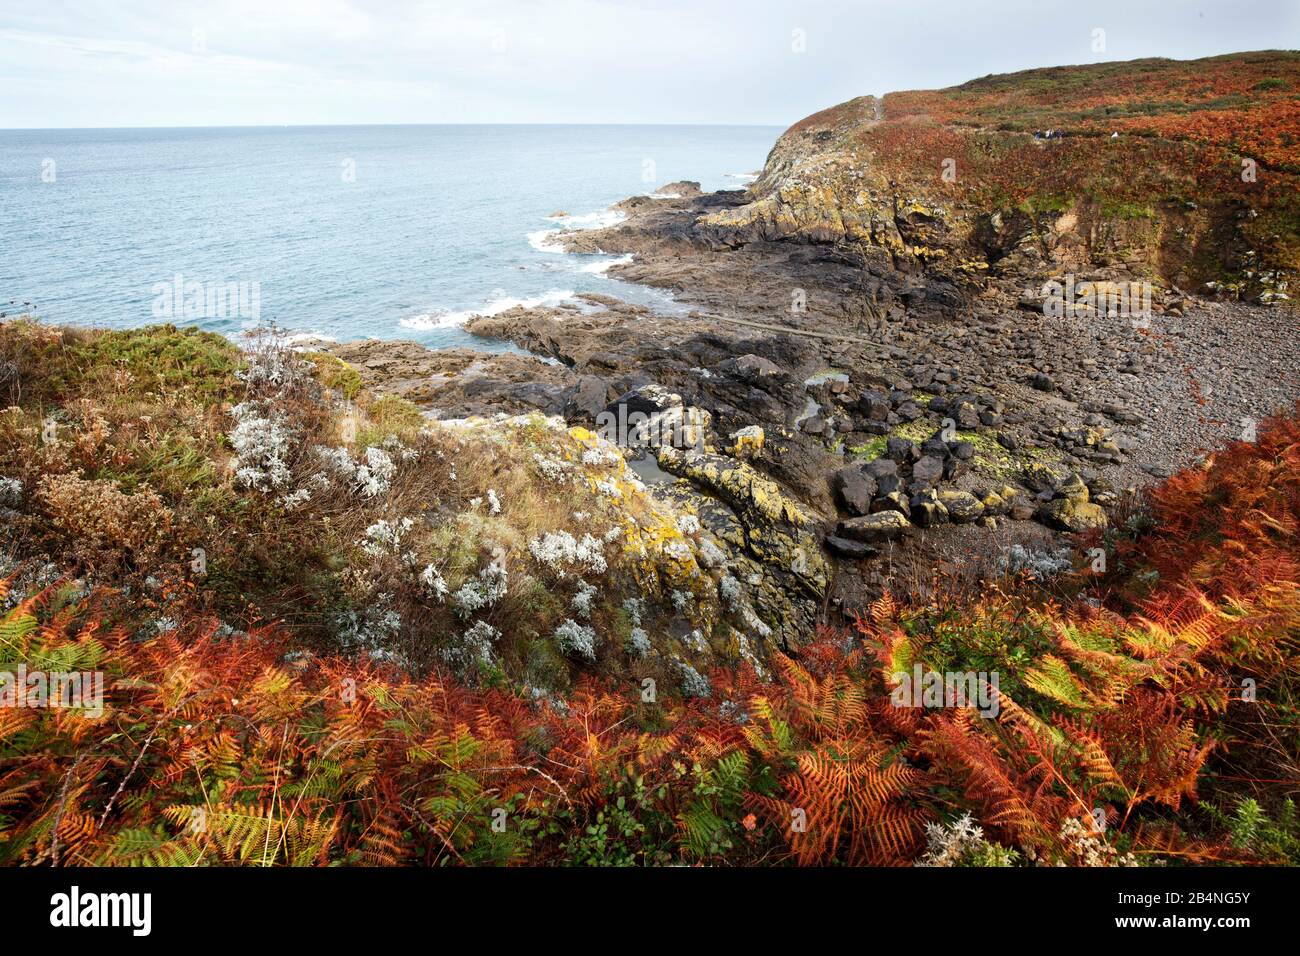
(1186, 173)
(271, 487)
(411, 642)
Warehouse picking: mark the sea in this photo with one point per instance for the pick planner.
(338, 232)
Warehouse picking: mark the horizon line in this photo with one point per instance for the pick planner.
(52, 129)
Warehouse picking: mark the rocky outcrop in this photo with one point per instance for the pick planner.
(761, 520)
(873, 370)
(932, 182)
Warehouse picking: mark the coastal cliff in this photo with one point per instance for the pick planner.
(1184, 173)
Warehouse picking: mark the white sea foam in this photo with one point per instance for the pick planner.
(599, 219)
(604, 265)
(548, 240)
(742, 177)
(545, 240)
(497, 305)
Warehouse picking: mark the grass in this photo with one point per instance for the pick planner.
(990, 459)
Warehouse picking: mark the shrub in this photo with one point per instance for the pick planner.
(101, 524)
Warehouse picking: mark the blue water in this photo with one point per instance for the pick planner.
(347, 232)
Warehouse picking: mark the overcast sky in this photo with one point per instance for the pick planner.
(244, 62)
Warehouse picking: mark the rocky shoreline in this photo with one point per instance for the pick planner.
(864, 424)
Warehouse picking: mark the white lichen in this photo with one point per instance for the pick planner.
(560, 552)
(582, 601)
(262, 444)
(575, 638)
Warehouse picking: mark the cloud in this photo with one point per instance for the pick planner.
(235, 62)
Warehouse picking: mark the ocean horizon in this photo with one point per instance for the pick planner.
(338, 232)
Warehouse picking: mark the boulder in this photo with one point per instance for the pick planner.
(751, 368)
(846, 548)
(994, 504)
(909, 411)
(881, 467)
(928, 470)
(874, 528)
(1070, 515)
(936, 446)
(962, 506)
(647, 399)
(888, 484)
(1040, 477)
(1022, 509)
(587, 399)
(854, 489)
(967, 416)
(901, 449)
(874, 406)
(927, 510)
(1073, 488)
(894, 501)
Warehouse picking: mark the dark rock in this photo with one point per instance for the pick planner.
(587, 399)
(1022, 509)
(1042, 382)
(881, 467)
(888, 484)
(799, 461)
(935, 446)
(544, 397)
(751, 368)
(928, 471)
(962, 506)
(874, 406)
(963, 450)
(927, 511)
(910, 411)
(847, 548)
(894, 501)
(1039, 477)
(902, 450)
(854, 489)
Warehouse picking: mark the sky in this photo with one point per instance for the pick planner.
(114, 63)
